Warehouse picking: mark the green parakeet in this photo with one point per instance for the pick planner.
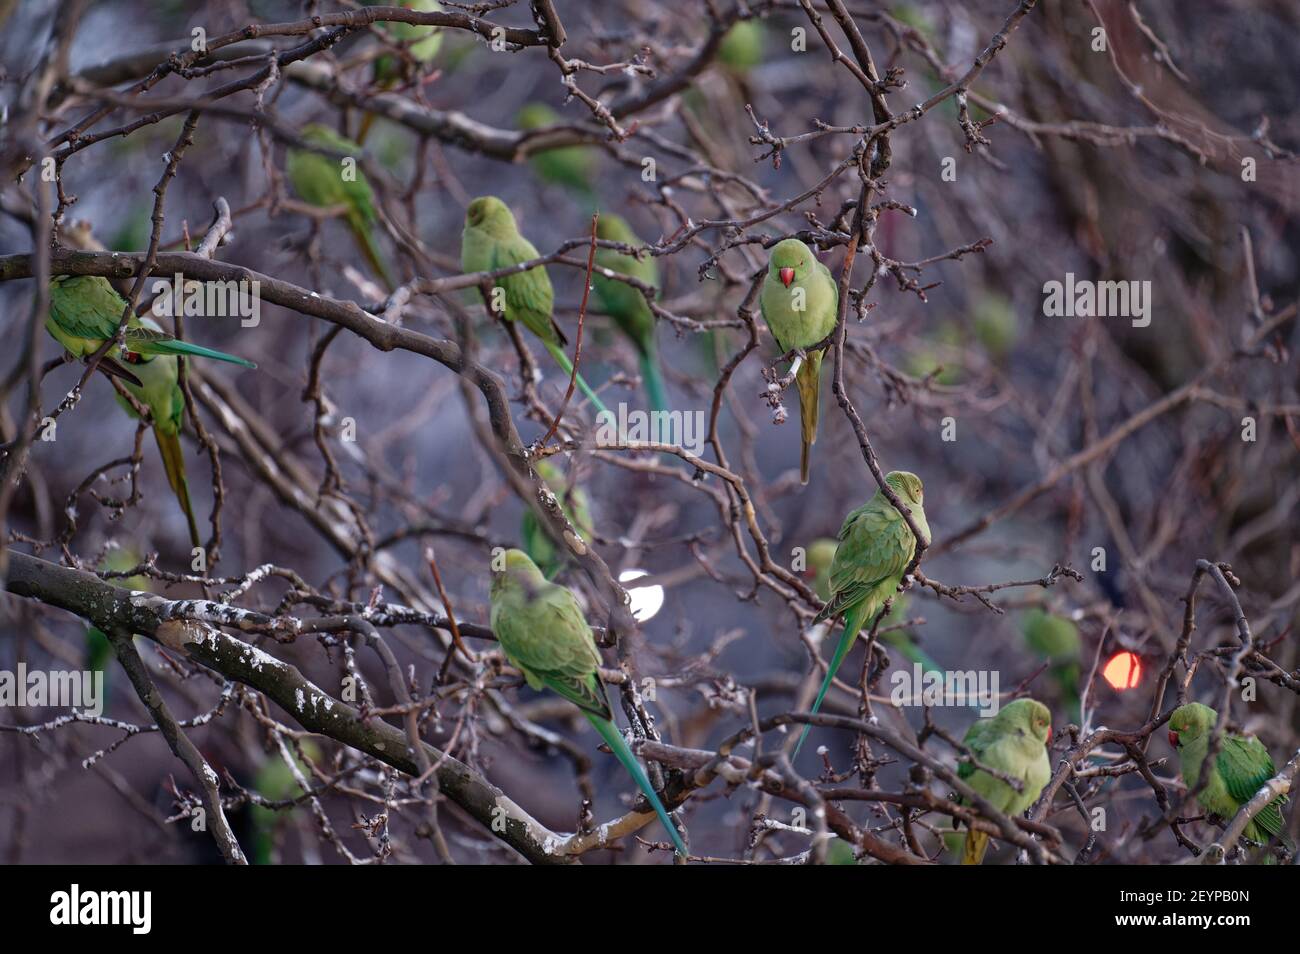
(800, 302)
(491, 241)
(626, 305)
(820, 557)
(1242, 767)
(742, 48)
(543, 633)
(422, 45)
(875, 547)
(323, 180)
(576, 506)
(160, 392)
(573, 167)
(85, 311)
(1056, 639)
(1013, 742)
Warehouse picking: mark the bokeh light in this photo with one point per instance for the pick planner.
(646, 600)
(1123, 670)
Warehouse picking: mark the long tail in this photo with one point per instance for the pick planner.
(169, 445)
(365, 239)
(973, 848)
(174, 346)
(655, 391)
(614, 739)
(808, 381)
(563, 361)
(851, 626)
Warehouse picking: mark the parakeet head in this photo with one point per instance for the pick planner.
(315, 134)
(518, 570)
(537, 116)
(907, 486)
(490, 214)
(1029, 716)
(791, 261)
(1190, 722)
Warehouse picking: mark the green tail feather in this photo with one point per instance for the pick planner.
(370, 252)
(609, 732)
(173, 346)
(655, 391)
(846, 643)
(169, 445)
(563, 361)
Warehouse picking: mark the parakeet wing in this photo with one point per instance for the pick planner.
(874, 547)
(529, 296)
(558, 650)
(978, 738)
(87, 307)
(1245, 766)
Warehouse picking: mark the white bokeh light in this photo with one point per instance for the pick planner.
(646, 600)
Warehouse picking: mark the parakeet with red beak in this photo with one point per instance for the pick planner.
(800, 302)
(1241, 768)
(1013, 742)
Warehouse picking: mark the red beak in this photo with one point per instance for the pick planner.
(787, 276)
(1173, 738)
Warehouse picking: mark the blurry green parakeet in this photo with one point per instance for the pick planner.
(160, 392)
(1056, 639)
(742, 48)
(576, 506)
(1013, 742)
(99, 651)
(626, 305)
(800, 302)
(422, 44)
(820, 557)
(491, 241)
(84, 313)
(325, 181)
(573, 167)
(1242, 767)
(875, 547)
(543, 633)
(275, 781)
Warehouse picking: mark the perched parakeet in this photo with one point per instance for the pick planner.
(491, 241)
(626, 305)
(160, 392)
(325, 181)
(875, 547)
(573, 167)
(85, 311)
(800, 302)
(1056, 639)
(820, 557)
(543, 633)
(1013, 742)
(576, 506)
(1242, 767)
(422, 45)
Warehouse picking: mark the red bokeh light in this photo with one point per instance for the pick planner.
(1123, 670)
